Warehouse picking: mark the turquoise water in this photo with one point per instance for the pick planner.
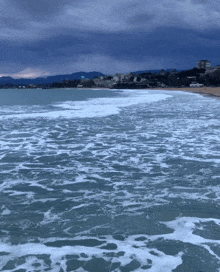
(109, 180)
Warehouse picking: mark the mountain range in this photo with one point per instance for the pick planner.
(50, 79)
(59, 78)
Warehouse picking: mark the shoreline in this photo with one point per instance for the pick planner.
(209, 91)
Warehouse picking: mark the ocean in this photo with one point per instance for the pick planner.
(109, 180)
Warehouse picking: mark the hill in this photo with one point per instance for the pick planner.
(49, 79)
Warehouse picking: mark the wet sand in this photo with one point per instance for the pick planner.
(212, 91)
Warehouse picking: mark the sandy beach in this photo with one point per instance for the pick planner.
(212, 91)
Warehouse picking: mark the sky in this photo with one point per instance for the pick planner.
(41, 38)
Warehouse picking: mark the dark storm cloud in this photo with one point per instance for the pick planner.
(89, 35)
(40, 8)
(13, 23)
(138, 19)
(133, 46)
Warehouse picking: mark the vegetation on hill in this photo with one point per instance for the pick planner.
(162, 78)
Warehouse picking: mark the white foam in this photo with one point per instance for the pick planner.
(183, 231)
(114, 150)
(6, 212)
(158, 260)
(50, 217)
(98, 107)
(133, 249)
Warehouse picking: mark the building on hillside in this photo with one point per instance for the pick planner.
(216, 72)
(128, 77)
(195, 84)
(118, 77)
(104, 83)
(213, 71)
(191, 77)
(203, 64)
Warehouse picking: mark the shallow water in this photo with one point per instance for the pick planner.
(98, 180)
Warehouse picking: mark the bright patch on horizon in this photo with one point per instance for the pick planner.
(27, 73)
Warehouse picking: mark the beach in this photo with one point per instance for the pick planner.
(212, 91)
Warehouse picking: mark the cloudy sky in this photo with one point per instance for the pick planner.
(48, 37)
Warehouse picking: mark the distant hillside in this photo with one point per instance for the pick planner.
(152, 71)
(49, 79)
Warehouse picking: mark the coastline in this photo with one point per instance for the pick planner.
(207, 91)
(210, 91)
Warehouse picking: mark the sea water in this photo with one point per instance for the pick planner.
(109, 180)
